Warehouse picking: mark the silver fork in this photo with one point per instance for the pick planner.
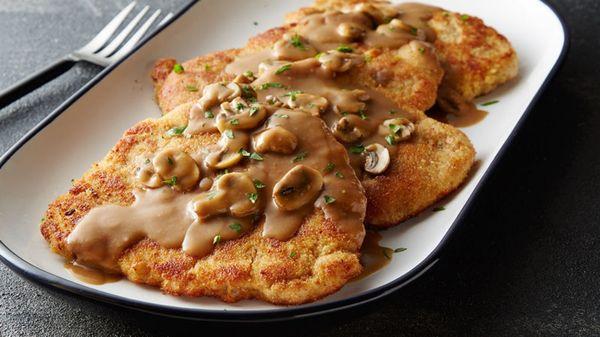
(97, 51)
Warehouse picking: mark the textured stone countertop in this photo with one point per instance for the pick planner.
(525, 261)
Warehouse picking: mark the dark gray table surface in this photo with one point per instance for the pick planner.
(525, 261)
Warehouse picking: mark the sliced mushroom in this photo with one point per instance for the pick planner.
(351, 31)
(377, 158)
(240, 115)
(380, 13)
(398, 128)
(229, 195)
(398, 29)
(298, 187)
(275, 139)
(338, 62)
(312, 104)
(349, 101)
(147, 176)
(228, 154)
(177, 167)
(216, 93)
(349, 129)
(293, 47)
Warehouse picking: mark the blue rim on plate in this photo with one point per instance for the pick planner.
(31, 272)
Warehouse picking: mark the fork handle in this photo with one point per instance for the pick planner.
(35, 81)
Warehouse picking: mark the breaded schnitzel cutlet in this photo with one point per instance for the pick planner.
(475, 58)
(315, 261)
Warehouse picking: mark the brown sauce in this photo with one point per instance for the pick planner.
(453, 109)
(373, 257)
(89, 275)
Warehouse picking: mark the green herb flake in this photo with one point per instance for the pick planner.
(393, 112)
(281, 115)
(259, 184)
(390, 139)
(209, 114)
(292, 94)
(439, 208)
(300, 156)
(217, 239)
(422, 50)
(464, 17)
(170, 160)
(244, 153)
(297, 42)
(253, 110)
(269, 85)
(234, 121)
(363, 115)
(329, 167)
(357, 149)
(319, 55)
(490, 103)
(395, 128)
(248, 73)
(339, 175)
(283, 69)
(229, 134)
(293, 255)
(413, 31)
(256, 156)
(239, 106)
(207, 67)
(344, 49)
(399, 250)
(252, 197)
(178, 68)
(386, 252)
(236, 227)
(191, 88)
(328, 199)
(176, 131)
(171, 182)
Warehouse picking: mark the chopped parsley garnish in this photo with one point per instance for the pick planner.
(297, 42)
(256, 156)
(344, 49)
(293, 255)
(171, 182)
(399, 250)
(236, 227)
(239, 106)
(329, 167)
(490, 103)
(339, 175)
(244, 153)
(363, 115)
(281, 115)
(413, 30)
(283, 69)
(300, 156)
(319, 55)
(176, 131)
(234, 121)
(147, 162)
(248, 73)
(209, 114)
(170, 160)
(393, 112)
(439, 208)
(252, 197)
(217, 239)
(422, 50)
(269, 85)
(253, 110)
(395, 128)
(247, 92)
(357, 149)
(191, 88)
(328, 199)
(464, 17)
(390, 139)
(259, 184)
(207, 67)
(229, 134)
(292, 94)
(386, 252)
(178, 68)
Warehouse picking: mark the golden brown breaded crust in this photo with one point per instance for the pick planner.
(426, 168)
(316, 262)
(412, 80)
(172, 89)
(476, 58)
